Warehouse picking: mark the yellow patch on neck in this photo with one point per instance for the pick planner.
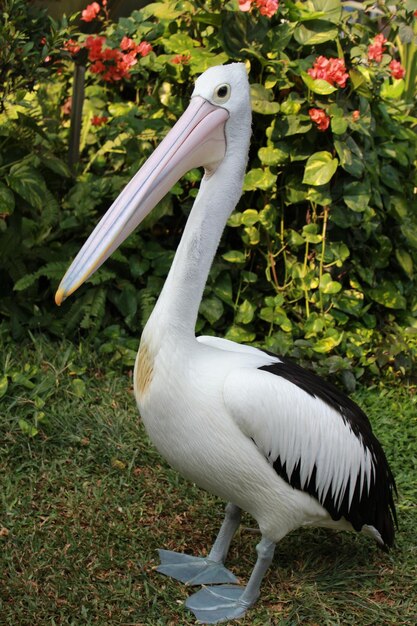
(144, 369)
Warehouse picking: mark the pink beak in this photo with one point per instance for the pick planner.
(197, 139)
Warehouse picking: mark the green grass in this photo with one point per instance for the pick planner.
(86, 502)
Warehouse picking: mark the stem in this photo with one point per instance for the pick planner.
(323, 250)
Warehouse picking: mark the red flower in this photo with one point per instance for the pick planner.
(127, 43)
(111, 63)
(377, 48)
(144, 48)
(96, 120)
(397, 70)
(181, 59)
(266, 7)
(319, 117)
(72, 46)
(94, 45)
(90, 12)
(331, 70)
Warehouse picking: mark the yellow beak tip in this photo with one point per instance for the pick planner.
(59, 296)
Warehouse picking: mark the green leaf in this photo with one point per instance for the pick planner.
(27, 429)
(339, 125)
(245, 313)
(239, 334)
(7, 202)
(250, 217)
(350, 155)
(234, 256)
(262, 100)
(327, 343)
(388, 295)
(78, 387)
(259, 179)
(329, 286)
(357, 195)
(311, 233)
(318, 85)
(212, 309)
(332, 9)
(315, 32)
(29, 184)
(272, 156)
(320, 168)
(405, 261)
(223, 288)
(392, 90)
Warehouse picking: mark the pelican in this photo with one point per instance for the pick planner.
(267, 436)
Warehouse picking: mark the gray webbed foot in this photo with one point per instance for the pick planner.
(193, 570)
(212, 605)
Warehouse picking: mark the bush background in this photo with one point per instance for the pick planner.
(318, 261)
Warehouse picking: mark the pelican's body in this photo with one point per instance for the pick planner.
(261, 433)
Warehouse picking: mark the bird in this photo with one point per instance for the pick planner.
(256, 429)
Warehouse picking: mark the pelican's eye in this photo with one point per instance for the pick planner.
(221, 93)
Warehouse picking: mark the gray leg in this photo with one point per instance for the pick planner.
(194, 570)
(211, 605)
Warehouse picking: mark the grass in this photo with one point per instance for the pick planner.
(86, 501)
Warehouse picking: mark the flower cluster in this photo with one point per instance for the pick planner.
(397, 70)
(266, 7)
(181, 59)
(98, 120)
(320, 118)
(332, 70)
(113, 64)
(377, 48)
(375, 51)
(92, 10)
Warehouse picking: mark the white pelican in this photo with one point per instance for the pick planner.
(263, 434)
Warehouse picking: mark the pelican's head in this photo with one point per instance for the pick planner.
(219, 106)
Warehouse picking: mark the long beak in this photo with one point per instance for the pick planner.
(197, 139)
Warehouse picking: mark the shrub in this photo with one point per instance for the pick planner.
(318, 260)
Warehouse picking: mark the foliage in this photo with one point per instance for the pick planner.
(319, 259)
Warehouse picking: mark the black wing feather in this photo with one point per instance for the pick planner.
(374, 507)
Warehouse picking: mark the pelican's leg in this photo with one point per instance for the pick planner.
(211, 605)
(194, 570)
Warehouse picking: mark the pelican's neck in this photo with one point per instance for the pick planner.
(177, 307)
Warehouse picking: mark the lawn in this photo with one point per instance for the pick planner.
(86, 502)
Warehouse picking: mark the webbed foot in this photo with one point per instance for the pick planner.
(211, 605)
(193, 570)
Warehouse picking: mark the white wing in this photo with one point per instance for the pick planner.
(309, 440)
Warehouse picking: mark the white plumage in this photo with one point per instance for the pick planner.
(263, 434)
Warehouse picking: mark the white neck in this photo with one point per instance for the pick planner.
(177, 307)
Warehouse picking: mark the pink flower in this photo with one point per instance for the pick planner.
(245, 5)
(397, 70)
(72, 46)
(319, 117)
(97, 120)
(144, 48)
(127, 43)
(355, 115)
(377, 48)
(267, 7)
(181, 59)
(331, 70)
(90, 12)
